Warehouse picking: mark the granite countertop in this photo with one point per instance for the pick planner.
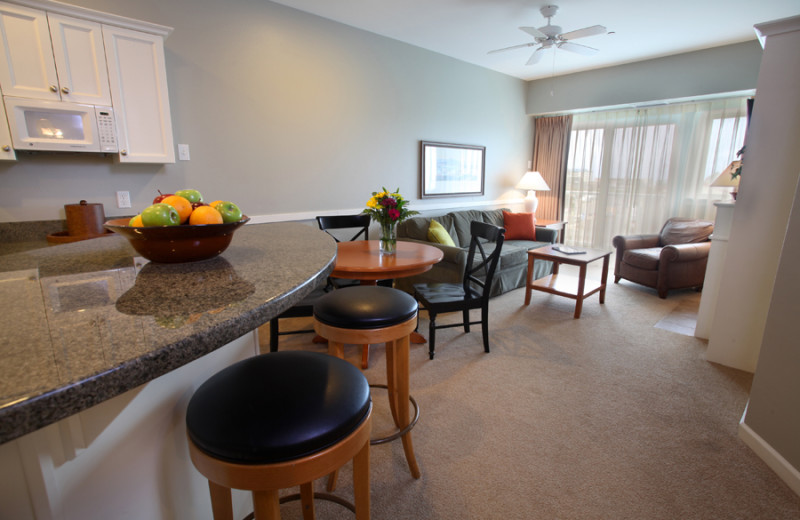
(86, 321)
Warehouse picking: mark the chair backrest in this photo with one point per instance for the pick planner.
(685, 231)
(482, 233)
(360, 221)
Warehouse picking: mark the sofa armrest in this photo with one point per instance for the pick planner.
(453, 255)
(546, 235)
(685, 252)
(623, 243)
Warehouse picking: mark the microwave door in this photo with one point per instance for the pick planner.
(64, 127)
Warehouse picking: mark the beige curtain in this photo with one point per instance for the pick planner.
(550, 146)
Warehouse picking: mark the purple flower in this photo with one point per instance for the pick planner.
(389, 202)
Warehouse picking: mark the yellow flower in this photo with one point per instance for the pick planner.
(372, 203)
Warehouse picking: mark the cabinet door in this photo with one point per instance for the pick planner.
(138, 78)
(27, 68)
(80, 60)
(6, 148)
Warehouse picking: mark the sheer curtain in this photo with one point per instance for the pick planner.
(628, 171)
(550, 142)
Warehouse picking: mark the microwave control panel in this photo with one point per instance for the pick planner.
(107, 130)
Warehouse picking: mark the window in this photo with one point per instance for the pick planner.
(628, 171)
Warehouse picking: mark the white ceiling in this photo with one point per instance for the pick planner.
(468, 29)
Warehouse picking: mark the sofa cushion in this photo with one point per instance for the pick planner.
(439, 235)
(494, 216)
(685, 231)
(642, 258)
(417, 227)
(461, 223)
(519, 226)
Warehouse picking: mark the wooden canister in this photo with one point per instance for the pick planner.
(85, 219)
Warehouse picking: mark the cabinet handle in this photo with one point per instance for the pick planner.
(123, 152)
(65, 90)
(53, 88)
(6, 148)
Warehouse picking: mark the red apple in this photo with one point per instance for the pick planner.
(196, 205)
(161, 196)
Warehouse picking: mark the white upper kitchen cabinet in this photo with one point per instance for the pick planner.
(138, 78)
(27, 67)
(6, 149)
(80, 60)
(52, 56)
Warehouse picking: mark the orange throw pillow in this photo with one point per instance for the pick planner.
(519, 226)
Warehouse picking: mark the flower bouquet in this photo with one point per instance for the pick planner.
(388, 209)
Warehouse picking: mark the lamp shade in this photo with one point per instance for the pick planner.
(532, 181)
(724, 179)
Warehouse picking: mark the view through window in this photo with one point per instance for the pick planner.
(628, 171)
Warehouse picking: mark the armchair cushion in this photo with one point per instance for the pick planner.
(643, 258)
(685, 231)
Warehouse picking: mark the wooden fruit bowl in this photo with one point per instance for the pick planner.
(176, 244)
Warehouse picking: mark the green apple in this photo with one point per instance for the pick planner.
(190, 195)
(160, 215)
(230, 212)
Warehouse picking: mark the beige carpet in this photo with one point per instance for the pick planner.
(605, 417)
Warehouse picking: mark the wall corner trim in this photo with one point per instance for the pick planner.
(789, 474)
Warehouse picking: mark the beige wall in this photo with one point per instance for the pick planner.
(732, 68)
(289, 113)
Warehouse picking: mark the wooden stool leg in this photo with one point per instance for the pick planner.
(361, 482)
(391, 373)
(401, 355)
(307, 500)
(364, 357)
(221, 503)
(266, 505)
(332, 478)
(336, 349)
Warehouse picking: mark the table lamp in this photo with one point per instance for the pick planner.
(725, 179)
(533, 182)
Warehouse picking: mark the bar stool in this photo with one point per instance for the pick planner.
(280, 420)
(374, 314)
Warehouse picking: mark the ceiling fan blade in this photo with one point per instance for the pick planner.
(582, 33)
(531, 44)
(533, 31)
(536, 56)
(577, 48)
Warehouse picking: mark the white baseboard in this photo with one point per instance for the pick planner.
(770, 456)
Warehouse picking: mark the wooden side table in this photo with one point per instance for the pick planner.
(563, 285)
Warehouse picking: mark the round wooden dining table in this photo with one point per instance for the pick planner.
(362, 260)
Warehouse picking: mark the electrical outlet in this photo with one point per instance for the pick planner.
(123, 199)
(183, 152)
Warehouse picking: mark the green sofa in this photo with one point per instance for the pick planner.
(513, 266)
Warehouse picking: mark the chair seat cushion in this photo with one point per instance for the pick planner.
(643, 258)
(277, 407)
(439, 292)
(365, 307)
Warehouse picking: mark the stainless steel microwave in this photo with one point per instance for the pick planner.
(40, 125)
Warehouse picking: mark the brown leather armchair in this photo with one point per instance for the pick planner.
(675, 258)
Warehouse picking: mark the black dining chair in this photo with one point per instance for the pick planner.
(359, 223)
(473, 292)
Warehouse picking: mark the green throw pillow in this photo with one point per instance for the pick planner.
(439, 235)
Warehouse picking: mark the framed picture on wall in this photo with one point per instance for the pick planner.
(450, 170)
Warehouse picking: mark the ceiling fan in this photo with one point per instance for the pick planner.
(551, 36)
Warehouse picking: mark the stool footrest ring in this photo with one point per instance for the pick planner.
(317, 496)
(399, 433)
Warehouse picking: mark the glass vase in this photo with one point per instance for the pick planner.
(388, 238)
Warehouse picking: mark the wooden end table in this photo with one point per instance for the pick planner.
(564, 285)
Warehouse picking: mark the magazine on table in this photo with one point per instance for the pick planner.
(568, 250)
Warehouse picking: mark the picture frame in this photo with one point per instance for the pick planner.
(451, 170)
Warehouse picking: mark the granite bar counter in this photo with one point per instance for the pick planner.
(84, 322)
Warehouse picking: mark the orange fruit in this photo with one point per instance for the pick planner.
(205, 215)
(181, 205)
(214, 204)
(136, 221)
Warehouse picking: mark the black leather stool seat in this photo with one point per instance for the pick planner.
(365, 307)
(277, 407)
